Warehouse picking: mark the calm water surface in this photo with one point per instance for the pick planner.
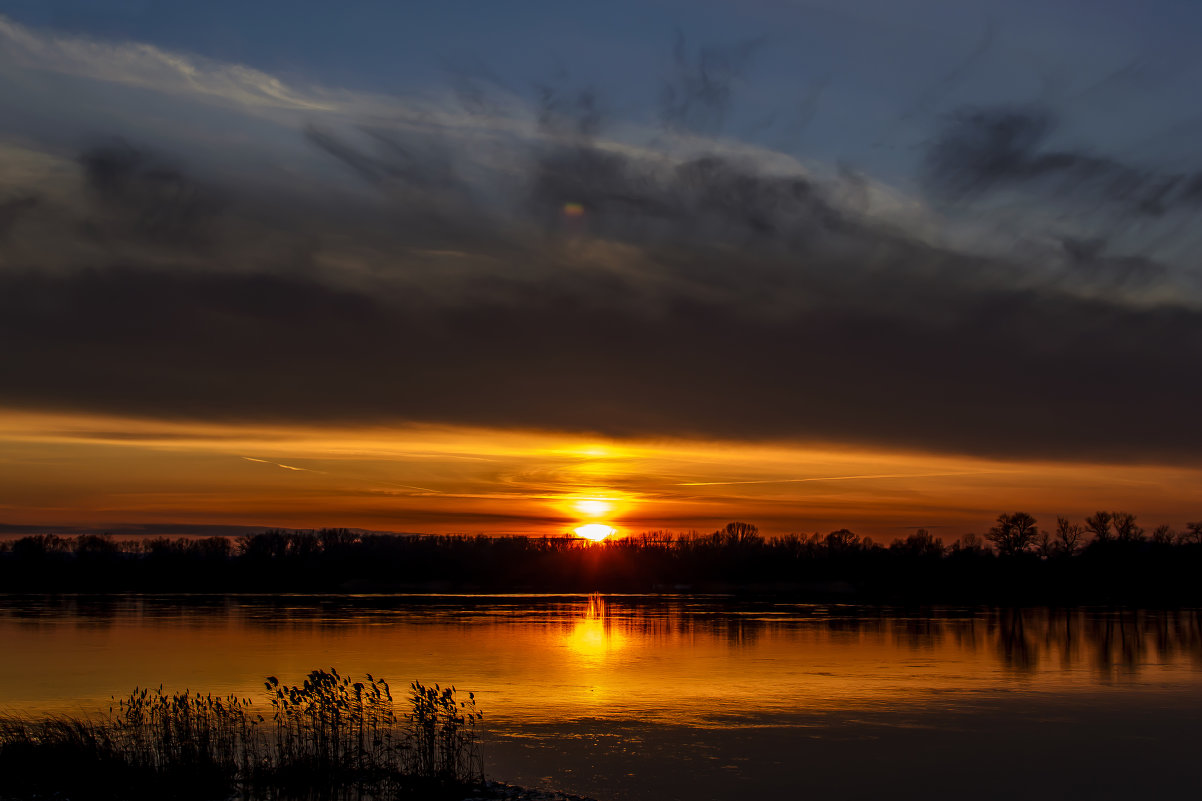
(625, 697)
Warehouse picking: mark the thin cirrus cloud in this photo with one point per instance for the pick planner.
(149, 67)
(185, 239)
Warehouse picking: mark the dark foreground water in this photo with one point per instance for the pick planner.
(627, 697)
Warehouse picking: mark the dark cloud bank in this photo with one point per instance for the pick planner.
(699, 296)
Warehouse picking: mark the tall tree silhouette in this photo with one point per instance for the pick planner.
(1125, 529)
(1163, 534)
(1068, 535)
(737, 533)
(1013, 533)
(1099, 525)
(1193, 532)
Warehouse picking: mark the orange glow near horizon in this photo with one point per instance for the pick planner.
(96, 472)
(593, 508)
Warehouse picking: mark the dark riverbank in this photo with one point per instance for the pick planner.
(838, 566)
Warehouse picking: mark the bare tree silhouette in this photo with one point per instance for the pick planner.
(921, 543)
(841, 541)
(1013, 533)
(1068, 535)
(1125, 529)
(1045, 544)
(738, 533)
(1119, 568)
(1163, 534)
(1193, 532)
(1099, 525)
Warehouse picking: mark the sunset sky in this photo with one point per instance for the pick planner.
(516, 267)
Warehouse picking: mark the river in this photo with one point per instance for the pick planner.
(641, 698)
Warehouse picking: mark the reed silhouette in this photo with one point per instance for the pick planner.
(323, 737)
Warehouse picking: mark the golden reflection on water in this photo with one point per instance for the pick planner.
(593, 636)
(545, 659)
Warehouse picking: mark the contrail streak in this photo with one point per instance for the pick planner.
(357, 478)
(285, 466)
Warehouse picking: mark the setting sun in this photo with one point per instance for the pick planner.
(595, 531)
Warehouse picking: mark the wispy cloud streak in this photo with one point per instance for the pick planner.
(831, 478)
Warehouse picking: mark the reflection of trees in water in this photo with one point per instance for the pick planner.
(743, 625)
(1132, 641)
(920, 633)
(1112, 643)
(842, 627)
(671, 620)
(1017, 647)
(1191, 630)
(1063, 636)
(1102, 643)
(1161, 631)
(98, 611)
(1185, 636)
(968, 634)
(852, 624)
(741, 632)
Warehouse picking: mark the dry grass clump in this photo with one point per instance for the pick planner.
(325, 737)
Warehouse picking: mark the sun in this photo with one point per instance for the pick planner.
(595, 509)
(595, 531)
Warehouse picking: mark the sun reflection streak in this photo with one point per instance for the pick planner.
(593, 637)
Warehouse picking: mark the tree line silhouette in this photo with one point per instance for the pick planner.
(1108, 558)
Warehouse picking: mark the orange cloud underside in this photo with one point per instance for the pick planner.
(74, 470)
